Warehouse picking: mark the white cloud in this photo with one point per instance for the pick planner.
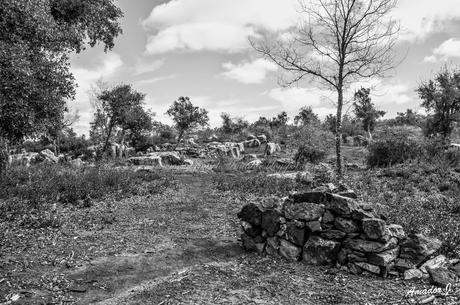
(249, 72)
(448, 49)
(150, 81)
(214, 25)
(143, 68)
(421, 18)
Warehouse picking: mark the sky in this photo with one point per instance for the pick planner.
(201, 49)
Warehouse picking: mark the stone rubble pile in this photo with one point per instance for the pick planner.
(333, 228)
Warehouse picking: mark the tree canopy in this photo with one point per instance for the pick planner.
(365, 110)
(186, 116)
(120, 108)
(36, 38)
(336, 43)
(441, 98)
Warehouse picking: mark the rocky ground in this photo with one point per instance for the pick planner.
(178, 247)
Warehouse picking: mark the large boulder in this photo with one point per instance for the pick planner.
(146, 160)
(418, 247)
(318, 251)
(47, 155)
(303, 210)
(271, 148)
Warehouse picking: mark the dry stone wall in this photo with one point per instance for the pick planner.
(326, 228)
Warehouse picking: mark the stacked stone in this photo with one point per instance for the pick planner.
(326, 228)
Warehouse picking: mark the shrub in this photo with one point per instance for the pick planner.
(313, 144)
(394, 145)
(40, 186)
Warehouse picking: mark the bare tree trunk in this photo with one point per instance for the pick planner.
(338, 132)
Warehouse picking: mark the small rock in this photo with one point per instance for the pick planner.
(369, 267)
(346, 225)
(413, 274)
(340, 205)
(403, 264)
(418, 247)
(251, 230)
(354, 269)
(370, 246)
(437, 262)
(251, 213)
(328, 217)
(384, 258)
(289, 250)
(318, 251)
(273, 246)
(350, 194)
(303, 210)
(314, 226)
(312, 197)
(396, 231)
(271, 222)
(256, 244)
(441, 276)
(334, 234)
(296, 233)
(375, 229)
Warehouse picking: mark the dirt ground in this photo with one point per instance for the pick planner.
(179, 247)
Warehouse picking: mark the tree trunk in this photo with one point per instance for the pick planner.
(109, 133)
(338, 132)
(181, 133)
(4, 155)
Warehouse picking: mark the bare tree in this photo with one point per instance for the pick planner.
(336, 43)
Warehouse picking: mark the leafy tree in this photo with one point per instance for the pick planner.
(279, 121)
(186, 116)
(410, 117)
(120, 108)
(306, 116)
(36, 38)
(350, 125)
(441, 99)
(261, 121)
(365, 110)
(233, 126)
(338, 42)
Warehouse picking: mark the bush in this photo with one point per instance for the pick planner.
(39, 187)
(394, 145)
(313, 144)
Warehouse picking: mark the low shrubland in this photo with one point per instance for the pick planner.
(34, 191)
(422, 197)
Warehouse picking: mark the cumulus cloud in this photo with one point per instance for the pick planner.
(214, 25)
(448, 49)
(249, 72)
(421, 18)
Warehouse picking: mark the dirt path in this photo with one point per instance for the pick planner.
(179, 247)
